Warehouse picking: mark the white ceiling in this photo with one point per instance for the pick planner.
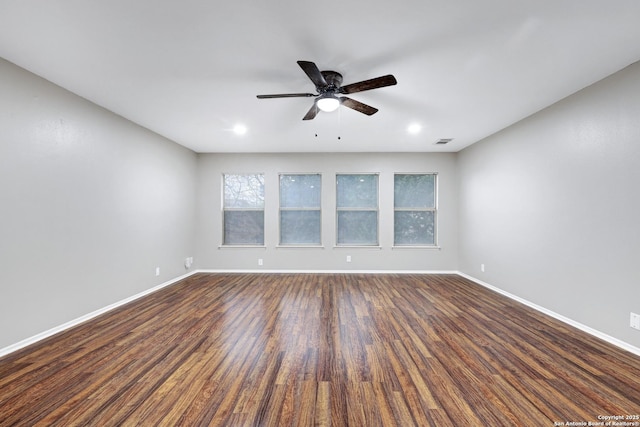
(191, 69)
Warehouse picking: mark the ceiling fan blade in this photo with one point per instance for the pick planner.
(383, 81)
(358, 106)
(311, 69)
(286, 95)
(312, 113)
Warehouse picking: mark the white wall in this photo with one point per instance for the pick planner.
(211, 256)
(551, 206)
(90, 205)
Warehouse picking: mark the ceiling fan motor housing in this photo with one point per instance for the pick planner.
(333, 79)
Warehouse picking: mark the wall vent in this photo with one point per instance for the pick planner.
(444, 141)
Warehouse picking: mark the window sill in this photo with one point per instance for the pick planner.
(416, 247)
(357, 247)
(242, 247)
(299, 247)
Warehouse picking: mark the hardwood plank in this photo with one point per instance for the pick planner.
(319, 349)
(323, 404)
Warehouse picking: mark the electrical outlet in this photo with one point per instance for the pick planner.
(348, 258)
(634, 321)
(259, 261)
(482, 267)
(157, 271)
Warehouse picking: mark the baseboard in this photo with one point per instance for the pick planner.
(608, 338)
(34, 339)
(257, 271)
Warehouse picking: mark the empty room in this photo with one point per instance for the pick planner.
(363, 213)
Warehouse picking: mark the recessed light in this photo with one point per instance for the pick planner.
(240, 129)
(414, 128)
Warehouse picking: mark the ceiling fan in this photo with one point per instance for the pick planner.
(328, 85)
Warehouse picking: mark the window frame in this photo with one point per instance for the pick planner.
(358, 209)
(434, 209)
(298, 209)
(225, 209)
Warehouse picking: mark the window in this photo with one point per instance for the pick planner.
(414, 209)
(300, 209)
(357, 209)
(243, 209)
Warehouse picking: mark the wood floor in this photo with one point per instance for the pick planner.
(326, 349)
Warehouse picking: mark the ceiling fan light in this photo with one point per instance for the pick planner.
(328, 103)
